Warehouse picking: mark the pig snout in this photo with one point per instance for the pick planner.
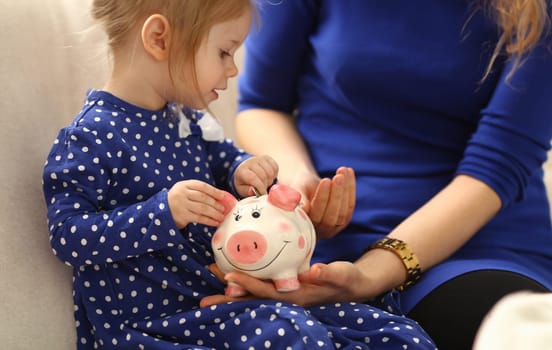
(246, 247)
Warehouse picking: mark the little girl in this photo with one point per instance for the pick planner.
(135, 187)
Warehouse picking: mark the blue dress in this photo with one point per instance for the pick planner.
(138, 279)
(393, 89)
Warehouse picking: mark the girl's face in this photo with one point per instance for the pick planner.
(215, 60)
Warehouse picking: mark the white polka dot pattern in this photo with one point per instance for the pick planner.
(137, 278)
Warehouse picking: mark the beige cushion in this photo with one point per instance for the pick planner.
(42, 87)
(520, 321)
(48, 58)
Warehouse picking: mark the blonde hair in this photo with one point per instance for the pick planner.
(522, 24)
(190, 21)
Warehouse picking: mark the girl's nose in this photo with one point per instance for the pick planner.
(231, 70)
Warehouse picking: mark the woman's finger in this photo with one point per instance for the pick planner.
(319, 201)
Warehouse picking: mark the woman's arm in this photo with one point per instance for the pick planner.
(263, 131)
(436, 230)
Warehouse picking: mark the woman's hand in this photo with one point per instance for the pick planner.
(329, 202)
(334, 282)
(257, 172)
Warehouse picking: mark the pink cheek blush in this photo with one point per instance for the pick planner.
(301, 242)
(217, 237)
(284, 227)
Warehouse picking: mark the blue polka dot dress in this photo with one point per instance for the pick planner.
(138, 279)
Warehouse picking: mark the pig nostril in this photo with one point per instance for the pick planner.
(255, 246)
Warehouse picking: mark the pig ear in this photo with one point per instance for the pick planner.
(229, 202)
(284, 197)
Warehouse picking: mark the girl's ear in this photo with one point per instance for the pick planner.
(156, 36)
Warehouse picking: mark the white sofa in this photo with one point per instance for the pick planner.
(48, 58)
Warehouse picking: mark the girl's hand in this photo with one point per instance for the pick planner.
(334, 282)
(196, 201)
(330, 203)
(256, 172)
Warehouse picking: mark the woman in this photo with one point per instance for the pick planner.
(436, 116)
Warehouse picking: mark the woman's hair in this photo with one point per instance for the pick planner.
(190, 21)
(522, 24)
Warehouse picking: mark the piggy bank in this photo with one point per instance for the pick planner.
(269, 237)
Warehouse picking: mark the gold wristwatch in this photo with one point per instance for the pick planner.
(407, 256)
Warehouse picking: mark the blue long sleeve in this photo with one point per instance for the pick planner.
(515, 129)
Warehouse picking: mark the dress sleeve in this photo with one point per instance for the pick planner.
(87, 228)
(514, 133)
(275, 54)
(225, 158)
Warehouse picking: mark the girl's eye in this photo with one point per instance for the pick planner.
(224, 53)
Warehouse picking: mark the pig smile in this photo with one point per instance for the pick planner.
(285, 243)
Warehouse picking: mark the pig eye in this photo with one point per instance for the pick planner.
(237, 217)
(256, 214)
